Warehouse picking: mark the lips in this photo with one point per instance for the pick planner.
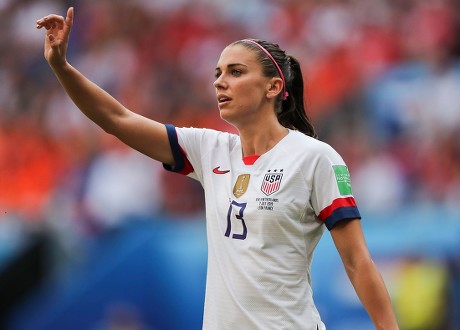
(222, 98)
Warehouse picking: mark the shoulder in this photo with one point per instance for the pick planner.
(207, 136)
(311, 147)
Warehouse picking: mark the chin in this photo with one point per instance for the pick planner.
(228, 116)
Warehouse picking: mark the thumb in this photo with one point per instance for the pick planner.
(69, 17)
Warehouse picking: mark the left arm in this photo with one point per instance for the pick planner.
(366, 279)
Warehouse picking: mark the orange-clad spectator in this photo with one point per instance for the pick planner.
(30, 166)
(329, 81)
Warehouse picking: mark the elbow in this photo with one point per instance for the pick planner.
(109, 127)
(359, 265)
(110, 124)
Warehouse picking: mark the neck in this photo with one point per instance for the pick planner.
(258, 139)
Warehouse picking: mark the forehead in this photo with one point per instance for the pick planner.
(237, 54)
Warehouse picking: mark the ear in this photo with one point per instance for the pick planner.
(274, 87)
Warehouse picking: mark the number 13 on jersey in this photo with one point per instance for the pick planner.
(236, 211)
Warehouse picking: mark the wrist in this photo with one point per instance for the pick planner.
(59, 67)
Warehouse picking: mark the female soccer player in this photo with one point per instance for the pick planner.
(270, 190)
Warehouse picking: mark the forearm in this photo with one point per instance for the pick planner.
(93, 101)
(372, 292)
(141, 133)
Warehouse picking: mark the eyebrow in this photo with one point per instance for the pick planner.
(232, 65)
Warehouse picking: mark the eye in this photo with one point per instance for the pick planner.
(217, 75)
(236, 72)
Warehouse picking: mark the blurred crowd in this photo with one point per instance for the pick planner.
(382, 82)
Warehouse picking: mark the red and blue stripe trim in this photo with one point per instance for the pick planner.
(183, 166)
(340, 209)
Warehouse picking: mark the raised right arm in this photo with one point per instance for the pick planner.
(143, 134)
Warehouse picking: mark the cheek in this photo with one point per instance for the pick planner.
(251, 92)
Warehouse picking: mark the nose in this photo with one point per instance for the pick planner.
(219, 83)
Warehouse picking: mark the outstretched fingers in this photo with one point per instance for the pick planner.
(57, 36)
(56, 21)
(51, 22)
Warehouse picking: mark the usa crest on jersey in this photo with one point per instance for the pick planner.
(271, 182)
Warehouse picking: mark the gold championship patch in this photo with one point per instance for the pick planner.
(241, 185)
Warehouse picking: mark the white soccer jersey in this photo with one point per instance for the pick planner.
(263, 223)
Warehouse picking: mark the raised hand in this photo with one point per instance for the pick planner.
(57, 36)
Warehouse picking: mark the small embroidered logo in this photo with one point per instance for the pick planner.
(271, 182)
(342, 175)
(241, 185)
(217, 171)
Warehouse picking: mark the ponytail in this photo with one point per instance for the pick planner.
(292, 114)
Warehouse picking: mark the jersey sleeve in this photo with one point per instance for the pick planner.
(332, 196)
(189, 145)
(185, 150)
